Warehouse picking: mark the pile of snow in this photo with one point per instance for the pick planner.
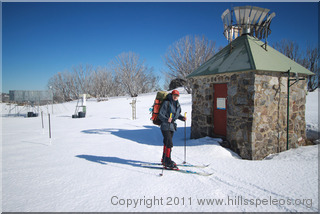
(312, 117)
(92, 164)
(299, 154)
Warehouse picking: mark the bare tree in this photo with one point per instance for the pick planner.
(132, 73)
(167, 80)
(288, 48)
(57, 89)
(149, 83)
(61, 86)
(82, 78)
(311, 62)
(186, 55)
(132, 77)
(309, 59)
(104, 84)
(67, 85)
(101, 83)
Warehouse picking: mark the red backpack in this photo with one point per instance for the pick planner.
(161, 96)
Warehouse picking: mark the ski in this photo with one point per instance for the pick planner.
(180, 165)
(178, 170)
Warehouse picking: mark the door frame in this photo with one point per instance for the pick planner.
(224, 132)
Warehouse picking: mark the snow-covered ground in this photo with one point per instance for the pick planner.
(92, 164)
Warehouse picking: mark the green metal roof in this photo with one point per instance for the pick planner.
(248, 54)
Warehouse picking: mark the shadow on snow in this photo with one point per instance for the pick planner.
(105, 160)
(149, 135)
(116, 160)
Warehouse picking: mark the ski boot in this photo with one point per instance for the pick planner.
(169, 164)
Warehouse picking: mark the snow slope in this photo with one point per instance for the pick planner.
(92, 165)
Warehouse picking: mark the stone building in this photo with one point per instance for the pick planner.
(241, 95)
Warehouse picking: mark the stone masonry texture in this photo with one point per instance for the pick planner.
(256, 111)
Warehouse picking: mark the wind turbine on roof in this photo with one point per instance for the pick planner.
(251, 20)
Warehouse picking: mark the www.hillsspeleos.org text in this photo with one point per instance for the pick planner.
(190, 201)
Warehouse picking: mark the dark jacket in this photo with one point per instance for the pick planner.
(170, 106)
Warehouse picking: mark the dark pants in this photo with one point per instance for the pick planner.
(167, 138)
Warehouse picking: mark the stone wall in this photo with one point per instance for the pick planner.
(269, 132)
(202, 104)
(240, 113)
(256, 112)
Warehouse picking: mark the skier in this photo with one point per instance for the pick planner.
(169, 112)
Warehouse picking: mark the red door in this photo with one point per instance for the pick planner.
(220, 109)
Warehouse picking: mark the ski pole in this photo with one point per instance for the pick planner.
(165, 155)
(185, 139)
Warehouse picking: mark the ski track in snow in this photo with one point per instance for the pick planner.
(246, 188)
(92, 159)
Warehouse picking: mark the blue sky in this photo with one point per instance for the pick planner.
(41, 39)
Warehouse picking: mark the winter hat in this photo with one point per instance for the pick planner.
(175, 92)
